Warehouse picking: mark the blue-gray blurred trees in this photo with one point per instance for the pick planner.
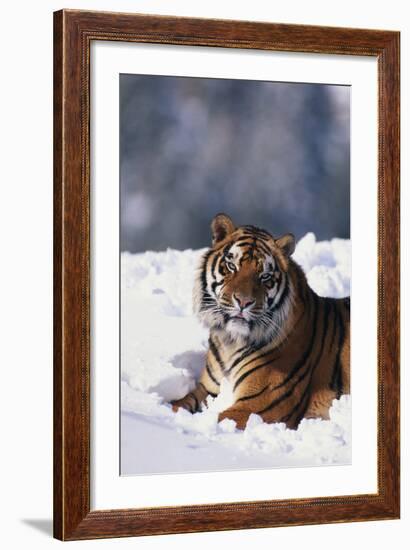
(276, 155)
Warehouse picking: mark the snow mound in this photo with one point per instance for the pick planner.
(163, 349)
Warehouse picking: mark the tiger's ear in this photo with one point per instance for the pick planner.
(221, 227)
(286, 244)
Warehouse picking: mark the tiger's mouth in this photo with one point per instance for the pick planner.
(240, 317)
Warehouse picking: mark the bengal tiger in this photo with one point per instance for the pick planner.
(284, 349)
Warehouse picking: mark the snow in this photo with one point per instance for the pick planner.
(163, 349)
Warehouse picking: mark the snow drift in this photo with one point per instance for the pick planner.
(163, 349)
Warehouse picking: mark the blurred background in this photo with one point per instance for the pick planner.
(271, 154)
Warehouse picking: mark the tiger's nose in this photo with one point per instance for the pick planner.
(243, 301)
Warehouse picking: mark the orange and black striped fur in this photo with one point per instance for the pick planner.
(284, 349)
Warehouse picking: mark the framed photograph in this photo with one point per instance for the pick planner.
(226, 275)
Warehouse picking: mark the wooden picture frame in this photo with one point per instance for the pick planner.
(74, 32)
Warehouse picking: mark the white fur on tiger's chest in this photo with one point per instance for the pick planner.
(237, 329)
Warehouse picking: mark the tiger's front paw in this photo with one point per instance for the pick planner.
(189, 402)
(238, 416)
(176, 405)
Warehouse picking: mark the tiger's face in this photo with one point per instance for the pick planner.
(243, 285)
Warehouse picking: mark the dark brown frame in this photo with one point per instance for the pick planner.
(73, 33)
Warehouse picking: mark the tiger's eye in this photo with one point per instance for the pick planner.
(231, 266)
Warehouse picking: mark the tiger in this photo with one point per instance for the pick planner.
(284, 350)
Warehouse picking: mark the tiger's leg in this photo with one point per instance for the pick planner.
(240, 415)
(237, 413)
(192, 401)
(249, 398)
(209, 384)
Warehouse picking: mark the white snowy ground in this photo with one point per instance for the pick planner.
(162, 353)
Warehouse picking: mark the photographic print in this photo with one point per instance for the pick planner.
(235, 274)
(203, 221)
